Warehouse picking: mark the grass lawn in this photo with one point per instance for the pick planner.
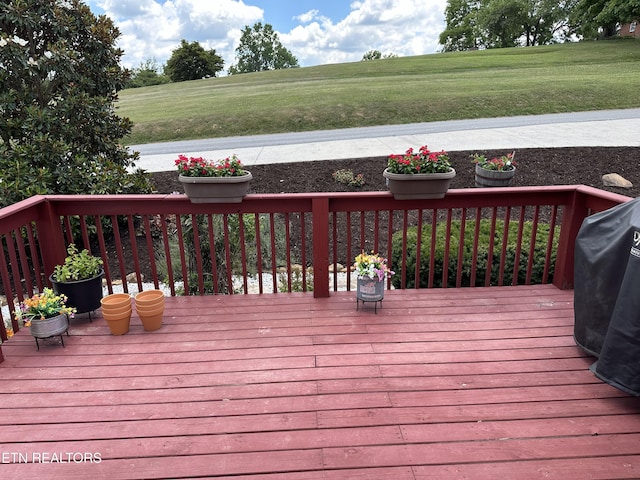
(478, 84)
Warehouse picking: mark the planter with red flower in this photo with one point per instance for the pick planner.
(421, 175)
(207, 181)
(494, 172)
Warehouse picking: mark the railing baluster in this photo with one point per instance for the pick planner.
(492, 237)
(416, 272)
(24, 264)
(243, 253)
(461, 239)
(34, 256)
(257, 224)
(134, 251)
(148, 234)
(505, 244)
(303, 250)
(447, 248)
(518, 253)
(183, 258)
(167, 252)
(274, 260)
(532, 246)
(227, 253)
(213, 252)
(550, 242)
(474, 255)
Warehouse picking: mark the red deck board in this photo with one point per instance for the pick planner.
(455, 383)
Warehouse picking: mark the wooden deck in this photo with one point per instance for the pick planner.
(457, 383)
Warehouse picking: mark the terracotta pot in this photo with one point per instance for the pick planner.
(151, 322)
(151, 317)
(149, 297)
(115, 301)
(116, 310)
(150, 308)
(216, 189)
(418, 185)
(119, 324)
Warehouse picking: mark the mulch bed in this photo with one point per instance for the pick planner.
(536, 166)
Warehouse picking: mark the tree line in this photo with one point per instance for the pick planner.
(473, 24)
(260, 49)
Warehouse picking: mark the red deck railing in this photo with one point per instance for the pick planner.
(298, 241)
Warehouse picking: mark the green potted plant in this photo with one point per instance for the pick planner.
(424, 174)
(371, 270)
(494, 172)
(207, 181)
(79, 278)
(47, 315)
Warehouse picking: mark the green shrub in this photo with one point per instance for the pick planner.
(538, 264)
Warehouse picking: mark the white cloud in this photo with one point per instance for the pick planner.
(307, 17)
(152, 30)
(403, 27)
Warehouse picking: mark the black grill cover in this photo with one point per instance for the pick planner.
(607, 294)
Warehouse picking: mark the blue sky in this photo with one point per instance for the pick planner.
(315, 31)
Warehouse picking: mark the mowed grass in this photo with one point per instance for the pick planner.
(478, 84)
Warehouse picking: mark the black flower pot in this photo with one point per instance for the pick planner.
(84, 295)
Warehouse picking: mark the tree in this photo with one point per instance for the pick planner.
(594, 18)
(502, 22)
(377, 55)
(190, 61)
(146, 74)
(260, 49)
(505, 23)
(59, 78)
(461, 32)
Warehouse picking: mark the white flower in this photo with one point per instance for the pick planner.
(3, 42)
(32, 62)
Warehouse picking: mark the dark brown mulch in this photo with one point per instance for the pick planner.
(536, 166)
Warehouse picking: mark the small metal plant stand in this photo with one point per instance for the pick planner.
(49, 328)
(369, 290)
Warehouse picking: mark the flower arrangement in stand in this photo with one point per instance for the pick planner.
(371, 269)
(419, 175)
(42, 306)
(213, 181)
(46, 314)
(372, 266)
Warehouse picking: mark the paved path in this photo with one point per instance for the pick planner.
(600, 128)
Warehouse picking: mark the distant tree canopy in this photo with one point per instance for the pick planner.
(147, 74)
(190, 61)
(504, 23)
(59, 74)
(594, 18)
(260, 49)
(376, 55)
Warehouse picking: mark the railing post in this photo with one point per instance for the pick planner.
(320, 221)
(574, 214)
(53, 250)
